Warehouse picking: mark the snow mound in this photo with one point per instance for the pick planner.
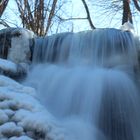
(127, 26)
(8, 65)
(13, 70)
(22, 117)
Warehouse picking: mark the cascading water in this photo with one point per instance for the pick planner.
(88, 81)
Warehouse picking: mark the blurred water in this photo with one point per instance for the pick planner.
(88, 81)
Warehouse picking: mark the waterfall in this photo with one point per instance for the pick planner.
(89, 82)
(100, 47)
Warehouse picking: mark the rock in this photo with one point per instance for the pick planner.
(13, 70)
(12, 39)
(5, 41)
(16, 46)
(20, 46)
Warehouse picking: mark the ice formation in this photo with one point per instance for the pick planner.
(22, 117)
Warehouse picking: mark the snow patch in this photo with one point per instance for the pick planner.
(7, 65)
(22, 116)
(127, 26)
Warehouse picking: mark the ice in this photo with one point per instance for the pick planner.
(20, 46)
(127, 26)
(7, 65)
(3, 117)
(10, 128)
(20, 138)
(22, 116)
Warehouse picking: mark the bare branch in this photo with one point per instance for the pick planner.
(2, 22)
(88, 15)
(51, 15)
(72, 18)
(3, 5)
(136, 5)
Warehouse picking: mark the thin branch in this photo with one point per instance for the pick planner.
(68, 19)
(88, 15)
(136, 5)
(3, 5)
(51, 15)
(2, 22)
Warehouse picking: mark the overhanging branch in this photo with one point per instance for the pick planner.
(88, 15)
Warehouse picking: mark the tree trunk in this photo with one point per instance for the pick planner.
(3, 4)
(127, 15)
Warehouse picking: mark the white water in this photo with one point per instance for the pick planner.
(88, 82)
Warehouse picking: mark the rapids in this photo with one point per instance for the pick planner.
(89, 82)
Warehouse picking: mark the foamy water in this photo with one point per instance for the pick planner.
(87, 81)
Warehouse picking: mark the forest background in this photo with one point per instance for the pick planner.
(45, 17)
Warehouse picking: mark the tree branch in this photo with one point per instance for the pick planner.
(3, 5)
(51, 15)
(2, 22)
(136, 5)
(88, 15)
(72, 18)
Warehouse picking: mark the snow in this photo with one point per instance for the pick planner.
(127, 26)
(20, 45)
(3, 117)
(10, 128)
(22, 116)
(20, 138)
(7, 65)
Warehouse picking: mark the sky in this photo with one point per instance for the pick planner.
(100, 20)
(105, 20)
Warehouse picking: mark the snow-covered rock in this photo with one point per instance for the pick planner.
(13, 70)
(20, 45)
(22, 117)
(15, 51)
(16, 44)
(7, 65)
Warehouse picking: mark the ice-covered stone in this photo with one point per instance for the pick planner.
(3, 117)
(10, 129)
(20, 46)
(16, 45)
(22, 116)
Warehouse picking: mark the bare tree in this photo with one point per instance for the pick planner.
(127, 15)
(88, 16)
(137, 6)
(127, 12)
(37, 15)
(40, 15)
(3, 4)
(116, 11)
